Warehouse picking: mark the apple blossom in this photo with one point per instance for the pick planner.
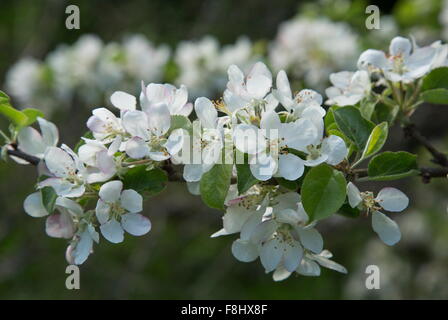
(118, 210)
(348, 88)
(68, 172)
(405, 62)
(34, 143)
(389, 199)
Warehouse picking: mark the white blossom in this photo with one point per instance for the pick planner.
(117, 211)
(311, 49)
(405, 62)
(207, 140)
(389, 199)
(68, 172)
(277, 136)
(99, 160)
(348, 88)
(35, 143)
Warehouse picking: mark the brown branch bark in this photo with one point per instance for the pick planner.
(24, 156)
(439, 158)
(174, 175)
(428, 173)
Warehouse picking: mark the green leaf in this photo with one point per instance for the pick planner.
(22, 118)
(366, 107)
(323, 191)
(245, 179)
(290, 185)
(347, 211)
(436, 79)
(4, 98)
(180, 122)
(353, 125)
(392, 166)
(329, 116)
(215, 185)
(151, 182)
(17, 117)
(376, 140)
(32, 115)
(384, 112)
(49, 197)
(436, 96)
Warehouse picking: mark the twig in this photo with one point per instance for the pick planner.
(429, 173)
(22, 155)
(439, 158)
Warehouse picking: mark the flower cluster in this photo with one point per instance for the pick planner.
(202, 64)
(276, 162)
(405, 63)
(86, 69)
(310, 49)
(277, 230)
(89, 68)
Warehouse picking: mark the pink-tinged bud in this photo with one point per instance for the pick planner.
(69, 255)
(60, 225)
(235, 201)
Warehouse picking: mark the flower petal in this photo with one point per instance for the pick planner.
(136, 123)
(271, 254)
(327, 263)
(400, 46)
(192, 172)
(311, 239)
(248, 139)
(102, 211)
(292, 255)
(131, 200)
(386, 228)
(308, 267)
(298, 135)
(159, 119)
(50, 133)
(83, 248)
(112, 231)
(262, 166)
(175, 142)
(280, 274)
(59, 162)
(290, 166)
(123, 100)
(135, 224)
(60, 225)
(33, 205)
(110, 191)
(234, 218)
(374, 58)
(336, 150)
(137, 148)
(392, 199)
(244, 251)
(259, 80)
(353, 195)
(270, 121)
(206, 112)
(282, 83)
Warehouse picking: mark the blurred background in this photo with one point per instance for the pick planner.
(66, 73)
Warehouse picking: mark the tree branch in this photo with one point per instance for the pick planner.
(439, 158)
(22, 155)
(425, 172)
(428, 173)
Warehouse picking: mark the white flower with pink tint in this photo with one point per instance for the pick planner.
(117, 211)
